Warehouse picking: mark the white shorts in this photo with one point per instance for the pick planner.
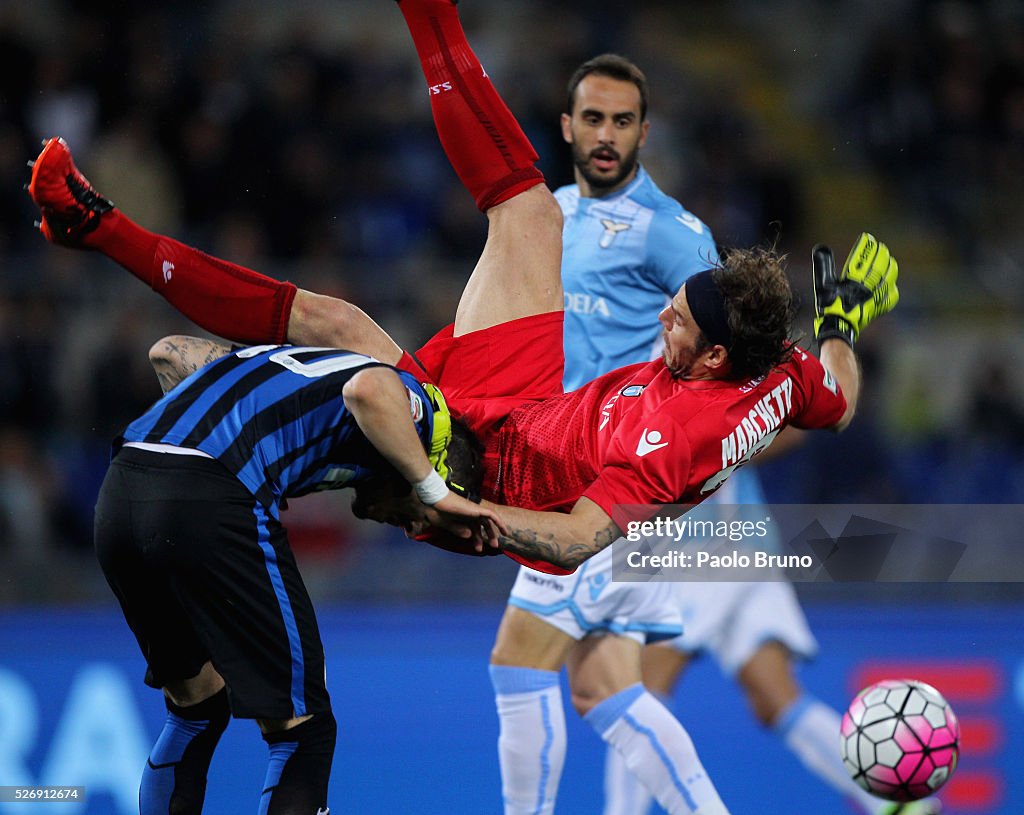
(587, 601)
(732, 620)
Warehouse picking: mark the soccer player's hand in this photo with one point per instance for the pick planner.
(480, 527)
(866, 289)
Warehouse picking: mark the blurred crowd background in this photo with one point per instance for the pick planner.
(296, 139)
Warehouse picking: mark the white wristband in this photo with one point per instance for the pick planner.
(431, 489)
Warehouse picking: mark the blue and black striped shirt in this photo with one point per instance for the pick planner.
(275, 417)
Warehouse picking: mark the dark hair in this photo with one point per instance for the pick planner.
(760, 307)
(466, 458)
(465, 462)
(615, 67)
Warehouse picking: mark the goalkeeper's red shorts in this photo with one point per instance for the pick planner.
(486, 374)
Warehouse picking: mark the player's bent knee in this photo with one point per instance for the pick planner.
(764, 713)
(271, 726)
(584, 701)
(300, 766)
(546, 207)
(536, 205)
(547, 211)
(365, 386)
(767, 705)
(527, 655)
(526, 641)
(509, 654)
(196, 689)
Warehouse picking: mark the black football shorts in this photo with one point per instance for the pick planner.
(203, 572)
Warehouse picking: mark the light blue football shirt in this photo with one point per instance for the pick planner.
(624, 256)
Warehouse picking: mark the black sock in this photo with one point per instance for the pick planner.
(300, 768)
(174, 781)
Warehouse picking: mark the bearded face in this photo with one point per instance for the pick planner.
(604, 168)
(606, 132)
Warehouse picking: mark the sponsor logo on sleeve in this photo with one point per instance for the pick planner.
(650, 440)
(691, 222)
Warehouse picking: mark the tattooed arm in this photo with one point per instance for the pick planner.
(177, 357)
(564, 539)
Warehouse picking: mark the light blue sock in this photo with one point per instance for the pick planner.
(810, 729)
(623, 792)
(658, 750)
(531, 746)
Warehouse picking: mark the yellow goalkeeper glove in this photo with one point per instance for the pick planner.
(866, 289)
(440, 439)
(437, 451)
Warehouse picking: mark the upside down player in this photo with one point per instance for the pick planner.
(568, 459)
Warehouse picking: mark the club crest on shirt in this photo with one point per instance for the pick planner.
(830, 381)
(606, 411)
(415, 407)
(611, 229)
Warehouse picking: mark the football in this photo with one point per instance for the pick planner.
(900, 739)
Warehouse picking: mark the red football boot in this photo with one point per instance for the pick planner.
(71, 207)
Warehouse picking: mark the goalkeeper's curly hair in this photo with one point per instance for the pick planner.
(760, 307)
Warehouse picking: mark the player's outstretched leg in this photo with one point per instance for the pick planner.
(483, 140)
(229, 300)
(519, 273)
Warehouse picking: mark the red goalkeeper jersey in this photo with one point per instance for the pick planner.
(632, 436)
(638, 436)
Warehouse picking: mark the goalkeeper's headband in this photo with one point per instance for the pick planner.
(708, 308)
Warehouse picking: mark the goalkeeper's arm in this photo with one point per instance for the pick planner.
(839, 359)
(846, 303)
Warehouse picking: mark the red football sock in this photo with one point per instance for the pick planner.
(230, 301)
(481, 137)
